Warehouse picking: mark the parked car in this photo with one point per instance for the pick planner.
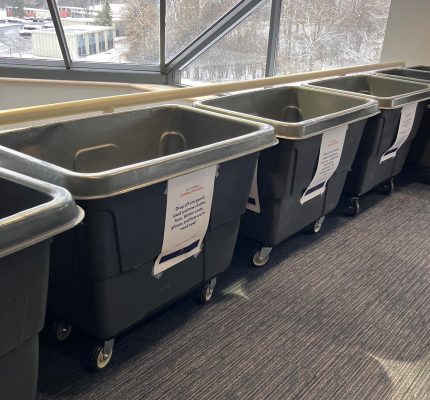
(28, 29)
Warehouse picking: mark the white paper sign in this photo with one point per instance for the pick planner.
(189, 202)
(328, 161)
(253, 199)
(406, 122)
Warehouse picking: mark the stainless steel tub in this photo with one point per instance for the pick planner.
(295, 112)
(31, 212)
(380, 134)
(419, 154)
(300, 116)
(111, 154)
(102, 277)
(389, 92)
(420, 67)
(416, 74)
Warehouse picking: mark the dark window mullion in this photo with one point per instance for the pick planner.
(52, 5)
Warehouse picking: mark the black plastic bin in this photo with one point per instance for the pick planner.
(369, 170)
(31, 213)
(419, 153)
(118, 168)
(300, 116)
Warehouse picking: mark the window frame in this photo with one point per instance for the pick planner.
(172, 69)
(163, 72)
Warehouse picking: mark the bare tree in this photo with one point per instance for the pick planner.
(314, 35)
(142, 31)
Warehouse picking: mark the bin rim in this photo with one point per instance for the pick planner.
(36, 224)
(310, 127)
(382, 72)
(417, 67)
(389, 102)
(112, 182)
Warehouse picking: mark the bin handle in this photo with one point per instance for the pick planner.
(163, 150)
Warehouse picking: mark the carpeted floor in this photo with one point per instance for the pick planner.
(341, 315)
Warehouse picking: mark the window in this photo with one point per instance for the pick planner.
(136, 23)
(313, 35)
(102, 44)
(187, 19)
(92, 46)
(110, 40)
(82, 49)
(241, 54)
(316, 35)
(20, 20)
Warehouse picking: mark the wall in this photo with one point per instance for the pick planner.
(408, 32)
(45, 45)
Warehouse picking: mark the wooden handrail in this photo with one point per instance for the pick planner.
(109, 104)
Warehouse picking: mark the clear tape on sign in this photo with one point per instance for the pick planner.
(330, 153)
(405, 127)
(189, 203)
(253, 198)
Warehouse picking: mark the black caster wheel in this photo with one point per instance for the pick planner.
(60, 330)
(316, 226)
(353, 208)
(101, 355)
(260, 258)
(206, 293)
(387, 187)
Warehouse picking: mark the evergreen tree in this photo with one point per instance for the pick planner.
(104, 17)
(18, 8)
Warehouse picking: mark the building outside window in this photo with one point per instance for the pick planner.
(81, 41)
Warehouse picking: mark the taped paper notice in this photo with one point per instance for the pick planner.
(253, 199)
(405, 127)
(189, 202)
(328, 161)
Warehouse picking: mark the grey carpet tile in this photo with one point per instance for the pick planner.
(340, 315)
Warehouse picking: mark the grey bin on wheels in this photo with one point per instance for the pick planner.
(300, 116)
(379, 158)
(419, 153)
(31, 213)
(122, 169)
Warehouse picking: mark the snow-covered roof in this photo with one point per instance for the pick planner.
(76, 29)
(117, 8)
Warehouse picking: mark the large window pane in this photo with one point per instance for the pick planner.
(318, 35)
(20, 22)
(126, 32)
(187, 19)
(241, 54)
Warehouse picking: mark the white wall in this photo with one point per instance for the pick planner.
(408, 32)
(45, 45)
